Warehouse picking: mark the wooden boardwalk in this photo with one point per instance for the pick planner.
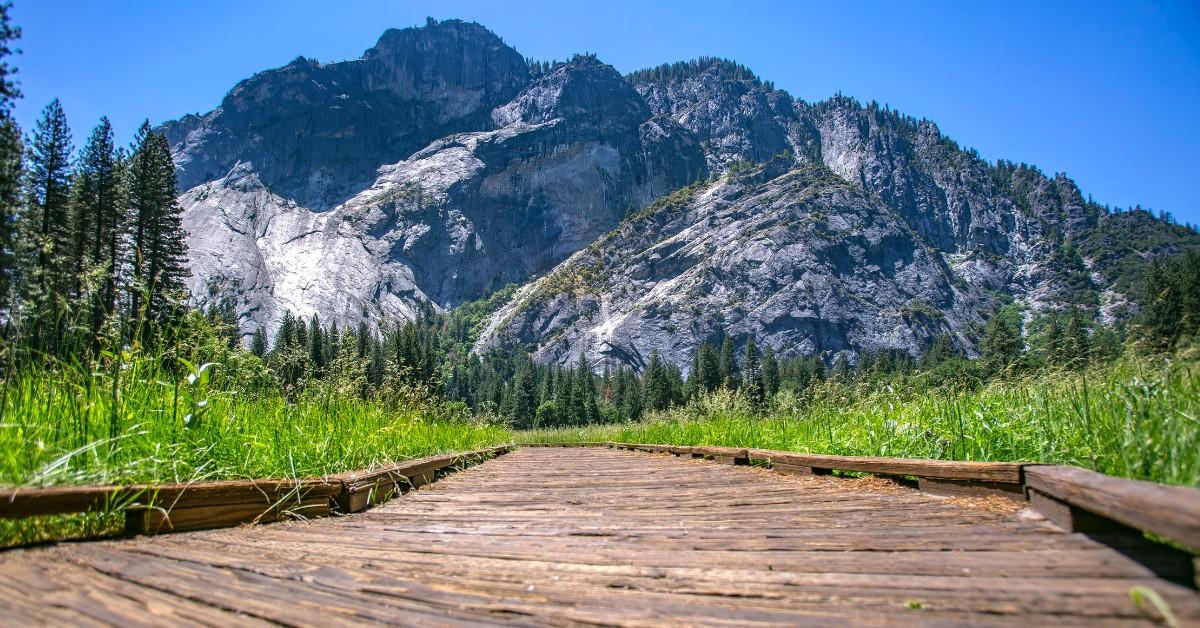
(600, 536)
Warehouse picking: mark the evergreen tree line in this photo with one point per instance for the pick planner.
(91, 243)
(1170, 313)
(432, 353)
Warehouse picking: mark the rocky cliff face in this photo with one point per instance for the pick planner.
(871, 230)
(734, 115)
(520, 187)
(796, 258)
(439, 167)
(316, 133)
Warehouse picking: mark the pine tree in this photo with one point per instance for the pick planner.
(98, 220)
(940, 351)
(299, 339)
(770, 374)
(589, 412)
(564, 397)
(706, 372)
(159, 247)
(1002, 343)
(841, 368)
(752, 384)
(1052, 341)
(522, 410)
(866, 365)
(258, 343)
(11, 160)
(316, 346)
(1077, 342)
(11, 169)
(377, 365)
(285, 333)
(1171, 302)
(657, 386)
(728, 365)
(361, 338)
(48, 175)
(633, 405)
(333, 343)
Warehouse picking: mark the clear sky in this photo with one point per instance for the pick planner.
(1107, 92)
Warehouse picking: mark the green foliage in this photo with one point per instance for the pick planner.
(45, 226)
(1125, 244)
(11, 159)
(158, 264)
(1131, 418)
(682, 70)
(465, 322)
(770, 373)
(1171, 296)
(1003, 346)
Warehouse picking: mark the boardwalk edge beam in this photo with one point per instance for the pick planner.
(161, 508)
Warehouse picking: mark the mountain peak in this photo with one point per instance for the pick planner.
(420, 38)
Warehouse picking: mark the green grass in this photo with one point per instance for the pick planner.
(130, 419)
(133, 421)
(1130, 419)
(64, 426)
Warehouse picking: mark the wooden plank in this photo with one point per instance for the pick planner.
(401, 472)
(1005, 472)
(362, 489)
(1001, 472)
(724, 455)
(793, 469)
(1169, 511)
(971, 488)
(364, 497)
(182, 519)
(575, 444)
(26, 502)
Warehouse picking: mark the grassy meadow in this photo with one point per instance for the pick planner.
(131, 420)
(1135, 419)
(139, 423)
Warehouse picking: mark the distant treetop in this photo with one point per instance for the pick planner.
(681, 70)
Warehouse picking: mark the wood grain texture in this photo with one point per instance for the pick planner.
(1169, 511)
(1006, 472)
(969, 488)
(25, 502)
(570, 536)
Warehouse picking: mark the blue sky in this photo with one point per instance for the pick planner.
(1110, 95)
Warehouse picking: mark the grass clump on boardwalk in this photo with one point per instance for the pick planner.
(1133, 418)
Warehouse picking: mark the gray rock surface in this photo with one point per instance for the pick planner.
(886, 236)
(559, 165)
(796, 258)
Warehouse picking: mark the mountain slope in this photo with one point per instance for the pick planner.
(440, 167)
(796, 258)
(908, 236)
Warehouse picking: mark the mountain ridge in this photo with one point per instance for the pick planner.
(513, 191)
